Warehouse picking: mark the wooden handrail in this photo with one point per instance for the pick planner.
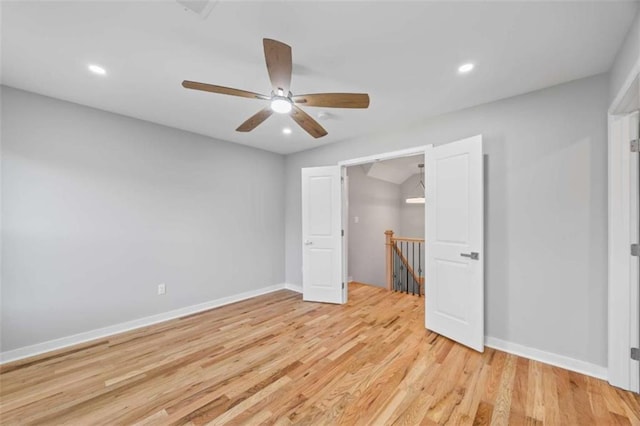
(410, 240)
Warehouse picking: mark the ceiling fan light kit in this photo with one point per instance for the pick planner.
(281, 105)
(279, 66)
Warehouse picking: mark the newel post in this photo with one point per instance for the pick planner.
(388, 245)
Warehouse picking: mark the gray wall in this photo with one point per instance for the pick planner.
(546, 210)
(376, 203)
(98, 209)
(626, 58)
(411, 215)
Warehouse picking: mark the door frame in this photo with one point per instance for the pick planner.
(623, 303)
(418, 150)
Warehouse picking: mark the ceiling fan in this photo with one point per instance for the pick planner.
(279, 65)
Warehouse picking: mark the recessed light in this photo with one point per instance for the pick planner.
(465, 68)
(286, 131)
(97, 69)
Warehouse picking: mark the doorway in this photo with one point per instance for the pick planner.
(624, 234)
(385, 224)
(454, 236)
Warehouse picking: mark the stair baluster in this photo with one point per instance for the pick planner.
(402, 275)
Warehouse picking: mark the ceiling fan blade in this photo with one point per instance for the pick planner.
(334, 100)
(305, 121)
(255, 120)
(279, 65)
(222, 90)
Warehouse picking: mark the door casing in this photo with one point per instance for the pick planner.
(623, 304)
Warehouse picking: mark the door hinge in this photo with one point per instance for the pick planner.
(635, 354)
(341, 179)
(343, 232)
(635, 145)
(343, 286)
(635, 249)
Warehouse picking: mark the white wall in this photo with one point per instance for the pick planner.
(376, 203)
(98, 209)
(546, 206)
(627, 57)
(411, 215)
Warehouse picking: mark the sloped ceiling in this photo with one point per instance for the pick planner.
(397, 170)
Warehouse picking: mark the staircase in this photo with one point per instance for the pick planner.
(405, 264)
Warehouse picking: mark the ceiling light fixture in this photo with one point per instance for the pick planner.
(280, 104)
(97, 69)
(420, 198)
(465, 68)
(286, 131)
(416, 200)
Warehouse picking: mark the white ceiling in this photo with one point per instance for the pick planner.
(404, 54)
(396, 170)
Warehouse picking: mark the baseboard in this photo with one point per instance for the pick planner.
(572, 364)
(51, 345)
(293, 287)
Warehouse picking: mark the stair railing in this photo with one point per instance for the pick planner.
(405, 264)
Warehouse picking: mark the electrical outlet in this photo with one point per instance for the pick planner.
(162, 289)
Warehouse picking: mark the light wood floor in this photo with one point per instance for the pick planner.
(276, 359)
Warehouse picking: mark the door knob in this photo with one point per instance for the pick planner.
(308, 243)
(473, 255)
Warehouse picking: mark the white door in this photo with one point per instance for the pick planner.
(454, 273)
(322, 235)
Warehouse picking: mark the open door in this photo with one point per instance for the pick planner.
(322, 235)
(454, 275)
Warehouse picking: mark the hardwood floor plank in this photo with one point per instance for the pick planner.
(534, 406)
(550, 396)
(277, 360)
(483, 414)
(520, 388)
(502, 404)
